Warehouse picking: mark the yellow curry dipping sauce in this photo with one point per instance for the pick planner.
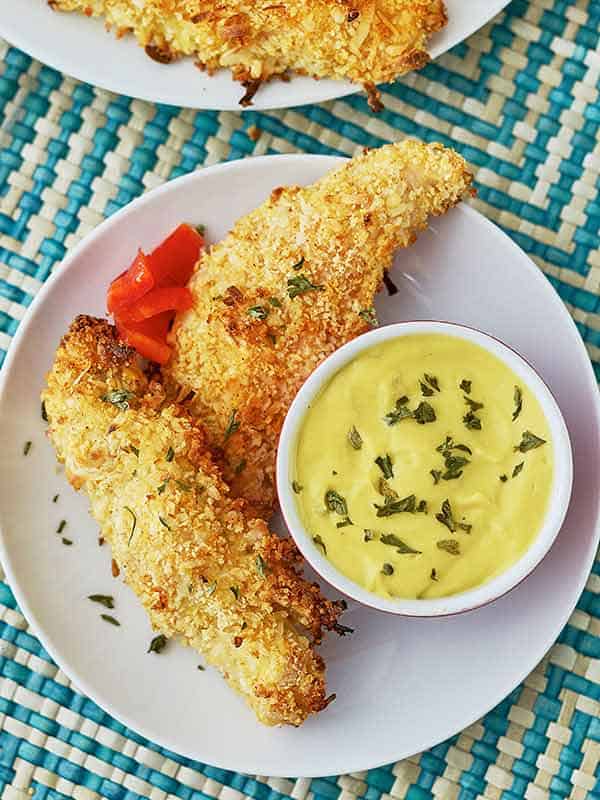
(377, 477)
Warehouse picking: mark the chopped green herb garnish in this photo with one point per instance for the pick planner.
(201, 668)
(112, 620)
(368, 535)
(472, 422)
(55, 498)
(185, 487)
(454, 467)
(434, 576)
(470, 419)
(61, 526)
(518, 398)
(426, 391)
(355, 438)
(473, 404)
(170, 454)
(447, 519)
(402, 547)
(387, 569)
(44, 414)
(297, 487)
(503, 478)
(446, 447)
(299, 264)
(240, 466)
(400, 412)
(320, 543)
(344, 523)
(119, 398)
(370, 316)
(232, 426)
(105, 600)
(432, 382)
(449, 546)
(258, 312)
(26, 448)
(445, 516)
(422, 507)
(335, 502)
(164, 523)
(134, 523)
(300, 284)
(211, 589)
(163, 486)
(134, 450)
(406, 505)
(67, 541)
(260, 566)
(235, 591)
(275, 302)
(385, 465)
(158, 644)
(518, 469)
(201, 229)
(529, 441)
(436, 475)
(424, 413)
(465, 386)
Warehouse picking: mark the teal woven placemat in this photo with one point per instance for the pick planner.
(520, 100)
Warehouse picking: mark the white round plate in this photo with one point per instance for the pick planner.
(81, 47)
(402, 684)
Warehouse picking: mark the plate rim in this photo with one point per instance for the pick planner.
(80, 682)
(18, 38)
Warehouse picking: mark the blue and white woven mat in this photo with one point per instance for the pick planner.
(520, 100)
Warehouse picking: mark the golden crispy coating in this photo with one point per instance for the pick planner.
(204, 570)
(367, 41)
(248, 344)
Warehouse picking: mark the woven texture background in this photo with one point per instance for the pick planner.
(520, 100)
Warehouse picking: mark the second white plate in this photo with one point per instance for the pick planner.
(82, 48)
(402, 685)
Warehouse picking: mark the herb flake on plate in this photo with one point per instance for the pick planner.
(105, 600)
(158, 644)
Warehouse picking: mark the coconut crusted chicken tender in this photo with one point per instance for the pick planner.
(293, 281)
(366, 41)
(204, 570)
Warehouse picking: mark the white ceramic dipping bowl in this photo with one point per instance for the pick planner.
(499, 585)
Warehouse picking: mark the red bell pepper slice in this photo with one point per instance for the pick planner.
(166, 298)
(146, 346)
(131, 284)
(156, 327)
(173, 261)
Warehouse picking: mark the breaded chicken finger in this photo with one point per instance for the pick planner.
(293, 281)
(203, 569)
(366, 41)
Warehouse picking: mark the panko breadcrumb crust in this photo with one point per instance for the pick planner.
(245, 366)
(365, 41)
(203, 568)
